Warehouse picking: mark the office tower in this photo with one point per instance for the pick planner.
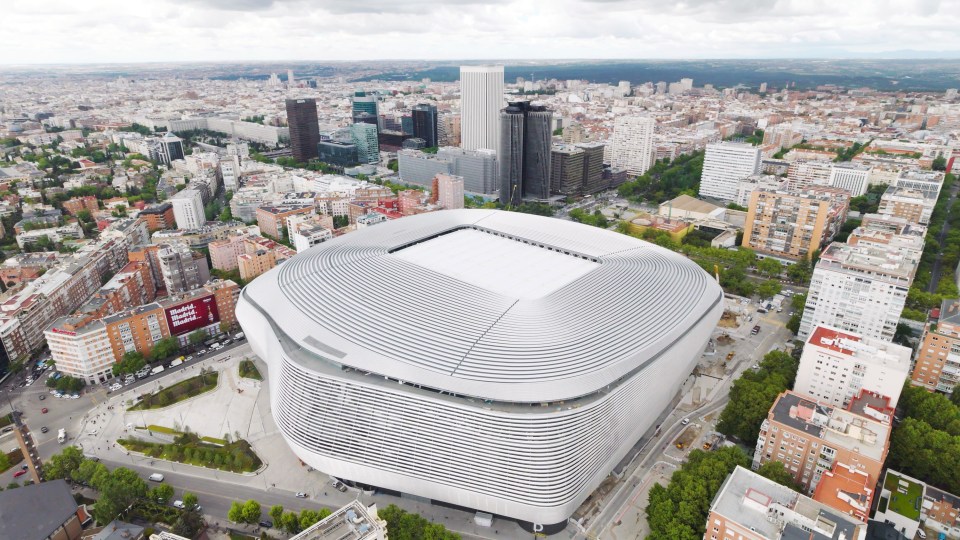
(449, 191)
(364, 137)
(481, 98)
(751, 507)
(937, 366)
(793, 224)
(593, 180)
(425, 124)
(188, 209)
(799, 426)
(171, 148)
(525, 140)
(304, 128)
(853, 178)
(182, 268)
(724, 165)
(406, 124)
(859, 288)
(686, 84)
(289, 77)
(339, 153)
(614, 375)
(365, 108)
(478, 169)
(836, 366)
(566, 170)
(632, 147)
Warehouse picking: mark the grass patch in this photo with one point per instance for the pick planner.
(189, 448)
(249, 370)
(162, 429)
(214, 440)
(239, 536)
(152, 512)
(12, 459)
(906, 504)
(6, 420)
(180, 391)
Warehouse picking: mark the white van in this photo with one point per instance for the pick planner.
(238, 336)
(158, 369)
(156, 477)
(62, 436)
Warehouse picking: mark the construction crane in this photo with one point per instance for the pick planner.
(716, 272)
(513, 192)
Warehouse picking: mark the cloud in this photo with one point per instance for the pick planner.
(226, 30)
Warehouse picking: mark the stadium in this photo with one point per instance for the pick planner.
(496, 361)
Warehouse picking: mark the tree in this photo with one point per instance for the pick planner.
(939, 163)
(161, 494)
(752, 395)
(799, 272)
(403, 525)
(88, 469)
(62, 464)
(291, 523)
(132, 362)
(776, 471)
(252, 512)
(165, 348)
(117, 492)
(197, 336)
(189, 500)
(188, 524)
(4, 461)
(276, 514)
(235, 514)
(768, 289)
(955, 395)
(769, 267)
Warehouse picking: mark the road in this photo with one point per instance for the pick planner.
(749, 351)
(935, 270)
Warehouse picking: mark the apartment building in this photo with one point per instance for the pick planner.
(836, 366)
(909, 204)
(182, 268)
(632, 145)
(750, 507)
(859, 289)
(809, 437)
(272, 219)
(252, 264)
(937, 364)
(136, 329)
(78, 204)
(449, 191)
(911, 504)
(159, 217)
(805, 173)
(224, 253)
(80, 347)
(724, 165)
(792, 224)
(188, 209)
(848, 490)
(849, 176)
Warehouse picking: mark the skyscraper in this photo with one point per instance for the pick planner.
(364, 108)
(365, 139)
(632, 147)
(481, 98)
(171, 148)
(304, 128)
(425, 123)
(525, 141)
(724, 165)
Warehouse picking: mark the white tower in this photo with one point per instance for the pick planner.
(481, 98)
(632, 147)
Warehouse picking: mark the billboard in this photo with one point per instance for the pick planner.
(189, 316)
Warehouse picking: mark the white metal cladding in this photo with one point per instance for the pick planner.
(534, 463)
(389, 316)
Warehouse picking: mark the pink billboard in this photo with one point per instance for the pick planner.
(187, 317)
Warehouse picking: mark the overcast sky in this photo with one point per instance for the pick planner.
(76, 31)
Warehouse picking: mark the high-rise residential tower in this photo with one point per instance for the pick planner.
(525, 142)
(632, 147)
(481, 98)
(724, 165)
(304, 128)
(425, 124)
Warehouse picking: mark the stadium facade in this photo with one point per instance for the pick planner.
(491, 360)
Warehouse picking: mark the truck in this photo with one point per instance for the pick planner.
(62, 436)
(158, 369)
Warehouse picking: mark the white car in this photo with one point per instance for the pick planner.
(178, 504)
(115, 386)
(685, 421)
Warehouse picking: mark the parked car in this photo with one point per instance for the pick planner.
(156, 477)
(44, 429)
(685, 421)
(301, 495)
(43, 397)
(44, 410)
(19, 473)
(178, 504)
(266, 524)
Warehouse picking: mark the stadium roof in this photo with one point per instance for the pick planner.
(499, 305)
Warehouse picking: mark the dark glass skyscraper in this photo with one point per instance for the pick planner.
(364, 105)
(304, 128)
(425, 123)
(524, 154)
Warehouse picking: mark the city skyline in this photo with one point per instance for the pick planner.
(257, 30)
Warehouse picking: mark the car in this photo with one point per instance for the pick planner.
(156, 477)
(7, 429)
(301, 495)
(266, 524)
(19, 473)
(44, 410)
(74, 396)
(58, 394)
(43, 397)
(189, 358)
(685, 421)
(44, 429)
(116, 386)
(178, 504)
(340, 487)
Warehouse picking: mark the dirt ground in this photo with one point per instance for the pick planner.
(728, 320)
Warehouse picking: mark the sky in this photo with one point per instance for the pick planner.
(98, 31)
